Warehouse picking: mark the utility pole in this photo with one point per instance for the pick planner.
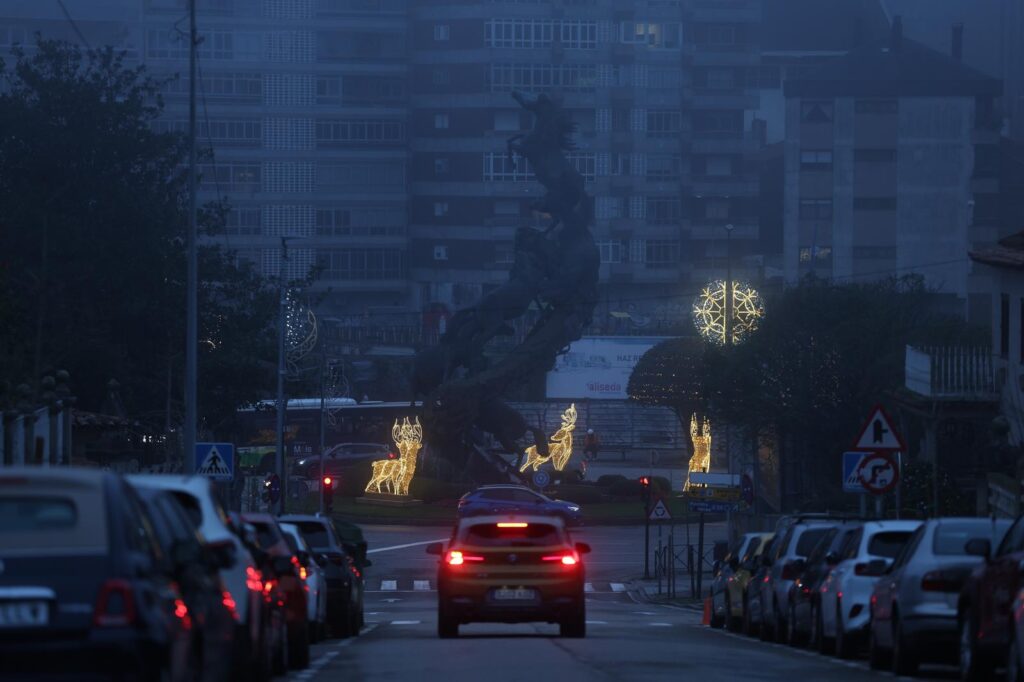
(192, 266)
(323, 420)
(282, 322)
(728, 284)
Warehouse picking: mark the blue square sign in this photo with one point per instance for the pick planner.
(216, 460)
(851, 464)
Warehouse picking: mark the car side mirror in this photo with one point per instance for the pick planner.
(435, 548)
(582, 548)
(831, 558)
(282, 565)
(222, 554)
(979, 547)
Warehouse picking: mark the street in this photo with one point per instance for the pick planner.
(627, 639)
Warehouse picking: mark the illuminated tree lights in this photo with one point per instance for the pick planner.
(709, 311)
(396, 474)
(700, 434)
(560, 447)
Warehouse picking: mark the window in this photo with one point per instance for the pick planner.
(657, 35)
(721, 34)
(242, 221)
(816, 209)
(664, 77)
(440, 252)
(874, 203)
(361, 264)
(663, 167)
(441, 166)
(720, 79)
(809, 539)
(874, 155)
(720, 123)
(440, 208)
(663, 123)
(816, 112)
(360, 174)
(1004, 325)
(888, 544)
(539, 33)
(875, 252)
(232, 177)
(614, 251)
(442, 32)
(1014, 540)
(584, 162)
(439, 77)
(815, 160)
(361, 221)
(340, 132)
(662, 210)
(540, 77)
(716, 209)
(819, 253)
(661, 253)
(950, 537)
(328, 89)
(718, 166)
(607, 208)
(498, 167)
(441, 121)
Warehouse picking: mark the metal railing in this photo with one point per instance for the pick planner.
(951, 373)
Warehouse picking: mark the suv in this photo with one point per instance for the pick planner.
(516, 499)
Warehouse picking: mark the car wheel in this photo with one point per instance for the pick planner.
(575, 625)
(814, 629)
(1014, 672)
(447, 626)
(298, 645)
(824, 644)
(844, 646)
(732, 623)
(716, 620)
(765, 631)
(973, 666)
(877, 656)
(354, 617)
(280, 663)
(904, 659)
(792, 633)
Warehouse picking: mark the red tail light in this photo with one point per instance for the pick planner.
(253, 579)
(181, 612)
(115, 605)
(230, 605)
(457, 558)
(299, 568)
(564, 559)
(942, 581)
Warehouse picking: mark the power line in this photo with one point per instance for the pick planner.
(74, 25)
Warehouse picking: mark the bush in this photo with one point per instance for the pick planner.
(580, 494)
(628, 487)
(433, 490)
(660, 485)
(608, 480)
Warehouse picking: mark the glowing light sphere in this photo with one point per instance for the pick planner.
(710, 306)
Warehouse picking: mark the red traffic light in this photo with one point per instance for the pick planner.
(645, 481)
(328, 481)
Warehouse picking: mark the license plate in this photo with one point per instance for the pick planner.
(24, 614)
(514, 593)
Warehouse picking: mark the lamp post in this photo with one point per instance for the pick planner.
(728, 284)
(192, 263)
(282, 321)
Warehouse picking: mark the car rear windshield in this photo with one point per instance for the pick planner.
(809, 540)
(888, 544)
(493, 535)
(265, 534)
(75, 522)
(315, 534)
(951, 536)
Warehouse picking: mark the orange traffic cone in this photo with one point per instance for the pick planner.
(706, 620)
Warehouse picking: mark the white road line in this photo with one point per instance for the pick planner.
(389, 585)
(405, 622)
(618, 587)
(411, 544)
(320, 661)
(660, 625)
(597, 622)
(588, 587)
(421, 585)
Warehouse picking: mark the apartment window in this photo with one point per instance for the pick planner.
(816, 209)
(608, 208)
(348, 175)
(360, 264)
(816, 112)
(875, 106)
(442, 32)
(874, 155)
(360, 221)
(662, 210)
(439, 77)
(232, 177)
(874, 203)
(441, 121)
(720, 79)
(663, 167)
(541, 77)
(614, 251)
(281, 220)
(822, 254)
(584, 162)
(815, 160)
(440, 252)
(718, 166)
(339, 132)
(504, 254)
(721, 34)
(719, 123)
(440, 209)
(663, 123)
(441, 166)
(540, 33)
(242, 222)
(661, 253)
(241, 132)
(328, 89)
(1004, 325)
(498, 167)
(716, 209)
(653, 34)
(664, 77)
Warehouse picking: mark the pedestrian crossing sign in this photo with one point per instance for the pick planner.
(216, 460)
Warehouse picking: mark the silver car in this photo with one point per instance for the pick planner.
(913, 607)
(314, 578)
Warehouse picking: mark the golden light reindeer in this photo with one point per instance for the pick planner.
(560, 447)
(396, 474)
(700, 434)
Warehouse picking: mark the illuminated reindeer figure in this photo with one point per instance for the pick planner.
(700, 434)
(560, 447)
(396, 474)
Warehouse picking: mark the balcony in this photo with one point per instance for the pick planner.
(951, 374)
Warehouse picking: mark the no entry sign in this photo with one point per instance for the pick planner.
(878, 472)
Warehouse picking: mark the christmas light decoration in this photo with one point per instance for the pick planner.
(560, 447)
(700, 434)
(397, 474)
(301, 330)
(710, 312)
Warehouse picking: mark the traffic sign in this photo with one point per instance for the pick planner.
(878, 433)
(851, 462)
(541, 479)
(711, 506)
(878, 472)
(215, 460)
(724, 494)
(714, 478)
(659, 512)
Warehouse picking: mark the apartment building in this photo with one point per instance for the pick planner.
(891, 166)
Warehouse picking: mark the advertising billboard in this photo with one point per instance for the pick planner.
(598, 367)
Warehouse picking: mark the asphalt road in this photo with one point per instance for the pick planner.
(627, 639)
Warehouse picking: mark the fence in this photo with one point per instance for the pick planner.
(694, 560)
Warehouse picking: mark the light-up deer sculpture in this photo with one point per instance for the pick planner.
(396, 474)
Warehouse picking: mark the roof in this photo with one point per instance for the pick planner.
(814, 26)
(877, 70)
(1008, 253)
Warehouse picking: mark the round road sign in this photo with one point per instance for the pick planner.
(878, 473)
(541, 478)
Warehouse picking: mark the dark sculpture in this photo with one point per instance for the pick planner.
(556, 269)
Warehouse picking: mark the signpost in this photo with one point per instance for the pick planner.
(659, 512)
(215, 460)
(711, 506)
(872, 467)
(878, 434)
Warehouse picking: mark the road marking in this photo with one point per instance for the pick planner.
(411, 544)
(405, 622)
(317, 664)
(421, 585)
(660, 625)
(597, 622)
(588, 587)
(389, 585)
(641, 613)
(618, 587)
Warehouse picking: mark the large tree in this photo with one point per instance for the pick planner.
(92, 223)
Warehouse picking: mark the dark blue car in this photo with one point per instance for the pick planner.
(510, 499)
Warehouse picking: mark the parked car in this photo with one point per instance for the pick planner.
(195, 570)
(285, 566)
(345, 586)
(1015, 656)
(83, 592)
(238, 569)
(914, 605)
(314, 577)
(985, 607)
(516, 499)
(737, 588)
(841, 614)
(725, 571)
(803, 593)
(783, 567)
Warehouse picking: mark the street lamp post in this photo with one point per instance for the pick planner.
(282, 321)
(192, 263)
(728, 284)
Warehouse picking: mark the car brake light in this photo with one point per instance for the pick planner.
(115, 605)
(303, 573)
(457, 558)
(181, 612)
(565, 559)
(513, 524)
(941, 581)
(253, 579)
(229, 603)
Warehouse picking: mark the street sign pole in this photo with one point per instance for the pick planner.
(647, 542)
(700, 553)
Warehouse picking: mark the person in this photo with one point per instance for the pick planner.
(591, 444)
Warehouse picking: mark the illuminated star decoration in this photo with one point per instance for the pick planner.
(396, 474)
(709, 311)
(700, 434)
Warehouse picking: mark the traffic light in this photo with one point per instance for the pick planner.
(328, 484)
(645, 488)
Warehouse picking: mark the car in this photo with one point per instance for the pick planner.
(916, 602)
(195, 569)
(510, 569)
(783, 566)
(1015, 655)
(985, 607)
(724, 574)
(516, 499)
(311, 572)
(812, 571)
(344, 574)
(83, 591)
(751, 587)
(239, 572)
(841, 614)
(285, 566)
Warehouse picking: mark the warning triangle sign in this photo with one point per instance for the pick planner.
(659, 512)
(878, 433)
(213, 465)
